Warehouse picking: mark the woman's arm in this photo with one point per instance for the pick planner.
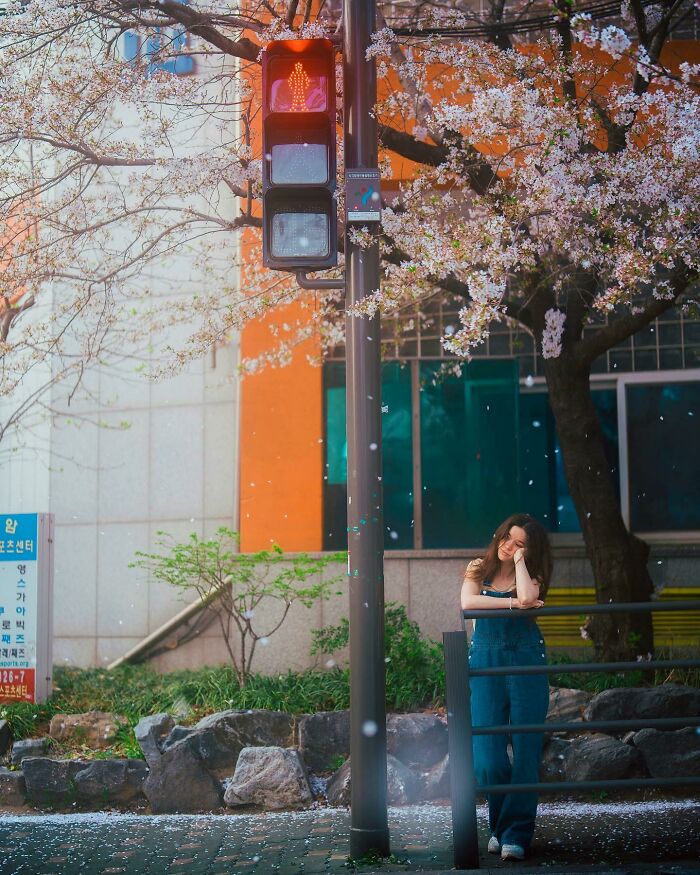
(472, 600)
(527, 588)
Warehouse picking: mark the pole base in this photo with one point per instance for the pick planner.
(366, 841)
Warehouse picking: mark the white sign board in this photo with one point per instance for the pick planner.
(26, 606)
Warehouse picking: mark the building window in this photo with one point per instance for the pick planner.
(465, 447)
(397, 456)
(544, 492)
(663, 463)
(469, 460)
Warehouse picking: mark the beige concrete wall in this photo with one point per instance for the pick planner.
(428, 584)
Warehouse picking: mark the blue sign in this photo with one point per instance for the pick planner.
(18, 534)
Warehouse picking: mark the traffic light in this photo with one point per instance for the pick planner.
(299, 207)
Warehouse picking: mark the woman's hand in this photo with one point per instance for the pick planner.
(518, 555)
(538, 603)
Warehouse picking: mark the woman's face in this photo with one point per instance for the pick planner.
(514, 540)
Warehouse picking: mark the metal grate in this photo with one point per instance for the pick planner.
(669, 343)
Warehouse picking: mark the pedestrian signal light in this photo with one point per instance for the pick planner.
(299, 207)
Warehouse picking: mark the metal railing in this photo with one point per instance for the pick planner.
(460, 731)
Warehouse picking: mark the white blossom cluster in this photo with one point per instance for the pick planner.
(553, 333)
(610, 39)
(560, 203)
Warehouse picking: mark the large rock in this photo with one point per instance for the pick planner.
(338, 786)
(5, 737)
(567, 706)
(323, 737)
(29, 747)
(13, 790)
(403, 784)
(670, 754)
(151, 733)
(94, 729)
(418, 740)
(180, 783)
(111, 781)
(269, 777)
(554, 756)
(600, 757)
(52, 782)
(218, 739)
(629, 703)
(436, 781)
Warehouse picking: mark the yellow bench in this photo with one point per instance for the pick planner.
(671, 629)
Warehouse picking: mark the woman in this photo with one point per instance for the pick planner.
(514, 574)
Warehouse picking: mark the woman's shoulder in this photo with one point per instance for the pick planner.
(473, 567)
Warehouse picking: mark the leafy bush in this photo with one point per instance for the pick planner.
(237, 583)
(415, 669)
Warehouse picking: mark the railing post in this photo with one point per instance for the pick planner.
(459, 733)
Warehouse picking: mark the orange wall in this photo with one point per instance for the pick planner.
(281, 449)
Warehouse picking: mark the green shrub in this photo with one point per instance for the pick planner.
(237, 584)
(415, 670)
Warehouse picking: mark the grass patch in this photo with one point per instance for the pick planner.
(134, 691)
(415, 680)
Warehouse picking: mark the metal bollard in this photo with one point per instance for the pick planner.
(459, 731)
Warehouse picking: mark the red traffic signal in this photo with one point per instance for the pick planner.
(299, 207)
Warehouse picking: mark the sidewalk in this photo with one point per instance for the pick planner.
(638, 838)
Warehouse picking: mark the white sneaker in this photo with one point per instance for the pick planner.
(512, 852)
(494, 846)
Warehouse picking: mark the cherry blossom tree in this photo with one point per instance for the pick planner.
(557, 180)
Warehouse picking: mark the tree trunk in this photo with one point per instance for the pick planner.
(618, 558)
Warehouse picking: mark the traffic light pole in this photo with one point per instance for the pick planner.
(369, 830)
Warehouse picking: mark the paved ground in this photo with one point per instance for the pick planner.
(658, 837)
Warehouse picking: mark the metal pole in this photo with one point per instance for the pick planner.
(369, 828)
(465, 837)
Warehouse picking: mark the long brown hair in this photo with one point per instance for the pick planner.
(538, 553)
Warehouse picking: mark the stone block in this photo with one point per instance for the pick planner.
(600, 757)
(403, 784)
(179, 783)
(119, 780)
(29, 747)
(629, 703)
(218, 739)
(670, 754)
(5, 737)
(272, 778)
(13, 790)
(52, 782)
(94, 729)
(323, 737)
(417, 740)
(151, 733)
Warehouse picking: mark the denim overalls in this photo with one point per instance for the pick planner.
(503, 699)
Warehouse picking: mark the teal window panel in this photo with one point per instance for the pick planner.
(397, 458)
(537, 448)
(469, 451)
(544, 491)
(663, 436)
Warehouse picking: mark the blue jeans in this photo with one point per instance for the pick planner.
(502, 700)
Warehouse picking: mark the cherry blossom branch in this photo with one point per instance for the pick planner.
(625, 326)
